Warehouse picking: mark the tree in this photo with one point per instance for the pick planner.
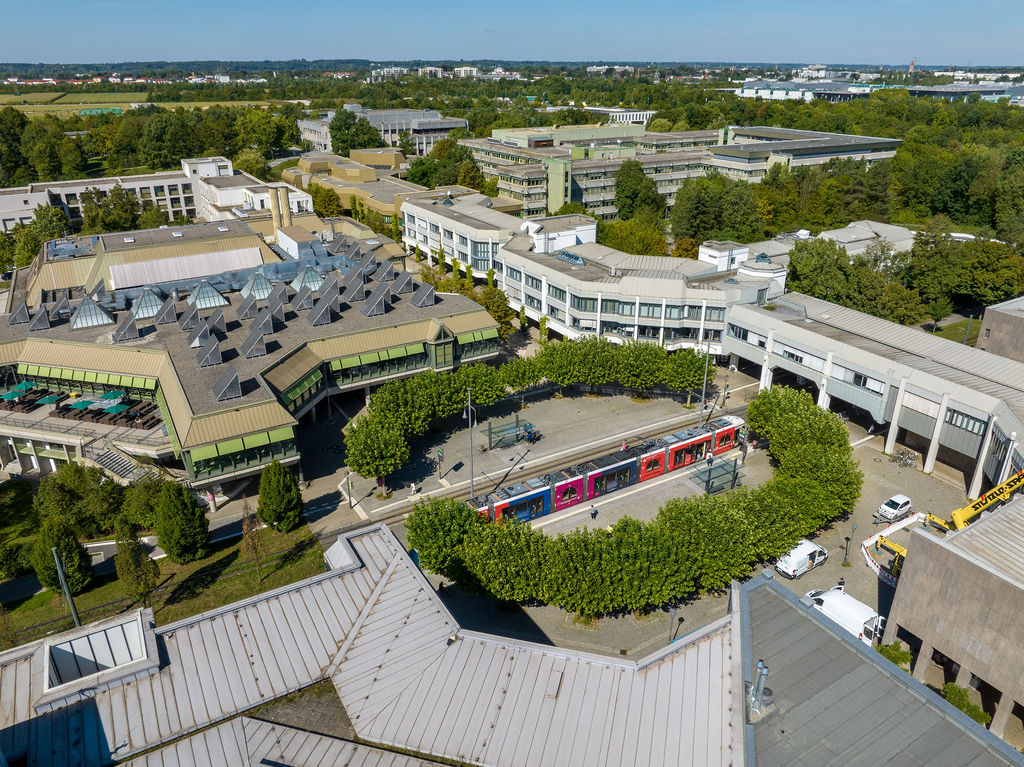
(685, 247)
(349, 132)
(280, 500)
(152, 217)
(406, 144)
(820, 268)
(375, 447)
(8, 250)
(183, 531)
(635, 192)
(960, 697)
(436, 529)
(253, 162)
(659, 125)
(80, 496)
(139, 506)
(253, 542)
(137, 572)
(938, 310)
(496, 303)
(543, 330)
(258, 132)
(640, 365)
(523, 320)
(326, 202)
(166, 138)
(47, 224)
(643, 235)
(470, 175)
(77, 564)
(12, 159)
(697, 209)
(113, 211)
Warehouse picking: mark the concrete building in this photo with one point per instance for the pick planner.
(411, 678)
(953, 403)
(425, 126)
(958, 607)
(206, 188)
(618, 115)
(210, 346)
(1002, 328)
(545, 168)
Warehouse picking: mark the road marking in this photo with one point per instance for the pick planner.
(362, 514)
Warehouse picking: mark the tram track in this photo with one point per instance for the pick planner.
(487, 484)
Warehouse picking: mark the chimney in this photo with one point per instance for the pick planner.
(286, 210)
(275, 210)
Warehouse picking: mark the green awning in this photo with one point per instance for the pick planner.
(102, 378)
(115, 409)
(464, 338)
(368, 359)
(22, 368)
(396, 353)
(203, 453)
(490, 333)
(150, 383)
(32, 370)
(90, 377)
(256, 440)
(281, 434)
(77, 375)
(230, 446)
(81, 404)
(44, 372)
(414, 349)
(347, 362)
(113, 395)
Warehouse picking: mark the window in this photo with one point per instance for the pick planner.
(988, 331)
(172, 189)
(532, 302)
(497, 266)
(791, 355)
(480, 250)
(410, 221)
(963, 421)
(463, 241)
(447, 234)
(434, 229)
(554, 313)
(650, 310)
(583, 304)
(532, 282)
(737, 332)
(556, 293)
(714, 314)
(673, 312)
(693, 312)
(762, 296)
(158, 191)
(423, 238)
(514, 274)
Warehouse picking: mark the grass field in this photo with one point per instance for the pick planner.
(277, 170)
(226, 575)
(954, 331)
(28, 98)
(64, 108)
(88, 97)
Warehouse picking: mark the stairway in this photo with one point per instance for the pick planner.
(119, 466)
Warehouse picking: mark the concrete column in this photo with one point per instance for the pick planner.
(963, 676)
(979, 468)
(766, 368)
(1004, 470)
(1001, 716)
(894, 424)
(933, 446)
(636, 318)
(923, 662)
(734, 360)
(703, 312)
(824, 398)
(766, 378)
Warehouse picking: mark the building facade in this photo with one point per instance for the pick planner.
(425, 126)
(1002, 328)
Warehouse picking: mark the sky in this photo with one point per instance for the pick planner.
(932, 32)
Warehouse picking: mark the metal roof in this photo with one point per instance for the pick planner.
(255, 743)
(838, 702)
(995, 541)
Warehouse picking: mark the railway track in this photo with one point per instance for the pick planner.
(487, 484)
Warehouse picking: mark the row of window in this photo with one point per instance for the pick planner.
(965, 422)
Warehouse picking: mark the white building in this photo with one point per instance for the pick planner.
(619, 116)
(467, 72)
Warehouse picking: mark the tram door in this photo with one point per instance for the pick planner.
(696, 451)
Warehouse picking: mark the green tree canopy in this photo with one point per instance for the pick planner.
(77, 564)
(183, 531)
(137, 573)
(280, 501)
(375, 447)
(636, 193)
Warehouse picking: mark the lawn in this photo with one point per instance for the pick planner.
(29, 98)
(90, 97)
(275, 172)
(954, 331)
(225, 576)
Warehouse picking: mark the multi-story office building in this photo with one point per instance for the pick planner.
(206, 188)
(579, 163)
(425, 126)
(203, 348)
(1002, 328)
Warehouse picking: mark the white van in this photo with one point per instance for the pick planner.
(801, 558)
(856, 617)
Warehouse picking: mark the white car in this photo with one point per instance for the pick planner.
(801, 558)
(895, 509)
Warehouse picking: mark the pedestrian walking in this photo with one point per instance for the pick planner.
(412, 489)
(871, 428)
(593, 512)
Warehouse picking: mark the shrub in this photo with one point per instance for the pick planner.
(280, 501)
(183, 531)
(14, 560)
(77, 564)
(958, 696)
(897, 654)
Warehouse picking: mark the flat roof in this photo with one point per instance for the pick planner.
(973, 369)
(839, 703)
(995, 541)
(469, 212)
(170, 235)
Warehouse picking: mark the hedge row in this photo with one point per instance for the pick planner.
(378, 443)
(697, 543)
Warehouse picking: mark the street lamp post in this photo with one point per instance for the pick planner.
(469, 418)
(704, 385)
(58, 560)
(348, 487)
(671, 624)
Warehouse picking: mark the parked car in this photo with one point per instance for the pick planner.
(895, 509)
(805, 556)
(851, 615)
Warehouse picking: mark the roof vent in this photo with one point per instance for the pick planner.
(222, 228)
(129, 239)
(731, 281)
(175, 234)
